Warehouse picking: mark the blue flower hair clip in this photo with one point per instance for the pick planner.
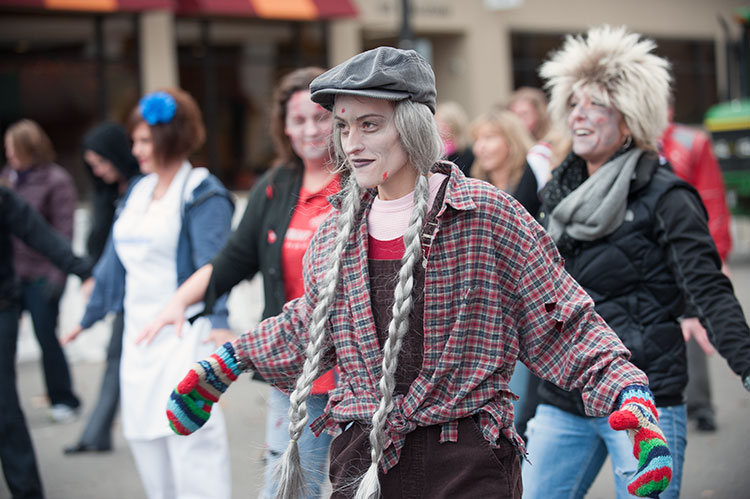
(157, 107)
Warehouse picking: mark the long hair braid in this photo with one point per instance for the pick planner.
(369, 488)
(290, 474)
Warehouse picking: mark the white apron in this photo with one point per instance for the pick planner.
(145, 238)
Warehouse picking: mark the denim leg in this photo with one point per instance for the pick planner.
(673, 422)
(565, 452)
(43, 304)
(313, 451)
(620, 449)
(16, 450)
(517, 385)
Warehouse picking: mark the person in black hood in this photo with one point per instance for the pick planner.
(106, 153)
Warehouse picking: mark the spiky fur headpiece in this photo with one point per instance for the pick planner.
(619, 68)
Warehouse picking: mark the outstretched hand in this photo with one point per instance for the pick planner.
(71, 335)
(173, 314)
(189, 405)
(637, 415)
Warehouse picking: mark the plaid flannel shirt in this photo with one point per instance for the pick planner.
(495, 291)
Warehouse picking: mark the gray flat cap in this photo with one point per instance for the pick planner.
(383, 73)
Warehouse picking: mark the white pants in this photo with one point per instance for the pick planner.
(186, 467)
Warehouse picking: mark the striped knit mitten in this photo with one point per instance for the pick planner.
(637, 415)
(189, 405)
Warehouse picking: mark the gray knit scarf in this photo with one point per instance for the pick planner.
(597, 207)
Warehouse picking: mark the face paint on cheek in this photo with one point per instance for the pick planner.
(343, 109)
(385, 175)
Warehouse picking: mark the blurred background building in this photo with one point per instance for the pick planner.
(71, 63)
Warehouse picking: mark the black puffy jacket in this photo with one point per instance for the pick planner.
(660, 264)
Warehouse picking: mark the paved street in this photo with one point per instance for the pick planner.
(716, 465)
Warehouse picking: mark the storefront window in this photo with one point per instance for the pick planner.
(55, 70)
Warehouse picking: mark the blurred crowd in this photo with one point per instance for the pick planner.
(649, 244)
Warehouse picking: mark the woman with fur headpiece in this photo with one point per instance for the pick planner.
(424, 288)
(635, 237)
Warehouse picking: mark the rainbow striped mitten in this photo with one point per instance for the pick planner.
(637, 415)
(189, 405)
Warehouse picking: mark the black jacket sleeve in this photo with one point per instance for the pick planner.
(26, 224)
(239, 258)
(682, 232)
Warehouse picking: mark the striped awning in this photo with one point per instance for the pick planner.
(91, 5)
(267, 9)
(271, 9)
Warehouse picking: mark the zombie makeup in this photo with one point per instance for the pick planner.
(308, 126)
(598, 130)
(372, 145)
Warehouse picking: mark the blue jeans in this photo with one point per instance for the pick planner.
(567, 451)
(313, 450)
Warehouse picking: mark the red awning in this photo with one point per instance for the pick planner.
(271, 9)
(91, 5)
(266, 9)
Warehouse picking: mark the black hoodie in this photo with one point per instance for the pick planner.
(109, 141)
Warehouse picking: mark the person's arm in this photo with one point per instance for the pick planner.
(237, 260)
(33, 230)
(107, 294)
(275, 349)
(683, 234)
(209, 224)
(561, 337)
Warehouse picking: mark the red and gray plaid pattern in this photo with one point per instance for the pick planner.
(495, 290)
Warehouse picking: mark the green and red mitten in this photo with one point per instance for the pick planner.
(637, 415)
(189, 405)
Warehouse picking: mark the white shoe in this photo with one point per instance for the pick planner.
(61, 413)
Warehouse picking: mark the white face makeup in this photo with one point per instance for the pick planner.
(597, 129)
(490, 148)
(308, 126)
(372, 145)
(143, 148)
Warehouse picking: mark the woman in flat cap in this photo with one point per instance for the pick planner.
(424, 288)
(635, 237)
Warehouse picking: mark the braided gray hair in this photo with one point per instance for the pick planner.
(420, 138)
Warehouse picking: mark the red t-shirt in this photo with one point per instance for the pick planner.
(311, 209)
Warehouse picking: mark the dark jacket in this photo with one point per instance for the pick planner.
(49, 189)
(255, 245)
(526, 191)
(109, 141)
(19, 219)
(659, 263)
